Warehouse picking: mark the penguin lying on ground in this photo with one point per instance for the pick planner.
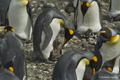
(72, 64)
(114, 10)
(20, 18)
(11, 46)
(46, 28)
(4, 6)
(106, 72)
(7, 73)
(87, 16)
(108, 44)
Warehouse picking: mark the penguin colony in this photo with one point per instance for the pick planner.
(16, 17)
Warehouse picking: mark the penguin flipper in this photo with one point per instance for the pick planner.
(30, 12)
(48, 35)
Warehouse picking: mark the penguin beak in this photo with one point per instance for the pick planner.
(84, 7)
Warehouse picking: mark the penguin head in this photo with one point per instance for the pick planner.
(8, 28)
(69, 30)
(85, 4)
(9, 65)
(109, 65)
(108, 34)
(96, 62)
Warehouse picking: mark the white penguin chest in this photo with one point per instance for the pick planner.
(55, 26)
(17, 15)
(91, 20)
(110, 50)
(80, 70)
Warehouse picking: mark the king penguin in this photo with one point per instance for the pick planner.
(71, 65)
(108, 43)
(87, 17)
(4, 6)
(11, 46)
(47, 27)
(20, 18)
(7, 72)
(106, 71)
(114, 10)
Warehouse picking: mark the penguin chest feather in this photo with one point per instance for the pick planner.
(91, 20)
(19, 20)
(110, 50)
(55, 26)
(80, 70)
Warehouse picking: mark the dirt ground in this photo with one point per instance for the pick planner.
(43, 71)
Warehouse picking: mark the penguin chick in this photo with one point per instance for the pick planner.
(20, 18)
(71, 65)
(87, 16)
(114, 10)
(108, 43)
(4, 6)
(11, 46)
(106, 72)
(7, 73)
(47, 27)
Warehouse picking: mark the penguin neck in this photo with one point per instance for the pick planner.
(80, 70)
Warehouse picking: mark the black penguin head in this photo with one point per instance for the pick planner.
(85, 4)
(96, 62)
(9, 66)
(69, 30)
(109, 65)
(108, 34)
(8, 28)
(68, 35)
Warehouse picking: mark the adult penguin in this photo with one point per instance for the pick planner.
(20, 18)
(71, 65)
(108, 43)
(4, 6)
(87, 17)
(106, 71)
(47, 27)
(7, 72)
(114, 10)
(11, 46)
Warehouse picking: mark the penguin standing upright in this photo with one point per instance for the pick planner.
(7, 73)
(11, 46)
(108, 44)
(46, 28)
(71, 65)
(114, 10)
(106, 72)
(4, 6)
(87, 17)
(20, 18)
